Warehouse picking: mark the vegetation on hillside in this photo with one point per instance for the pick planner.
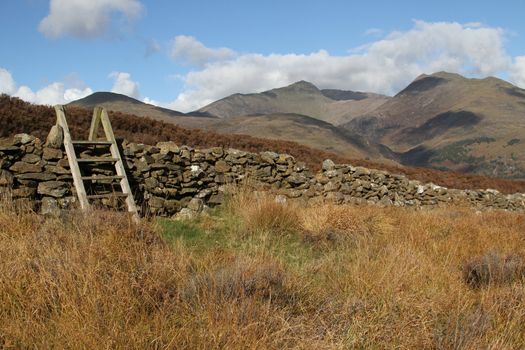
(17, 116)
(262, 275)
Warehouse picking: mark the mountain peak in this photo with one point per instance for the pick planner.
(303, 86)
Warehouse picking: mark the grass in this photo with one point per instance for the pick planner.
(258, 274)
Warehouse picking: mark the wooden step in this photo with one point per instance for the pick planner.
(103, 177)
(108, 195)
(97, 160)
(92, 143)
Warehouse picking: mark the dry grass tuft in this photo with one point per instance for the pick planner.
(260, 212)
(493, 268)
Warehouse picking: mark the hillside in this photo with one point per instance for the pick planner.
(17, 116)
(449, 121)
(125, 104)
(332, 106)
(298, 128)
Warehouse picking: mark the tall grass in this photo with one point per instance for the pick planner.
(280, 276)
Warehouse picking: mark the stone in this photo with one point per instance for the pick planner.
(285, 159)
(57, 170)
(216, 199)
(37, 176)
(332, 186)
(55, 138)
(196, 204)
(151, 183)
(264, 172)
(24, 139)
(142, 166)
(156, 202)
(6, 178)
(328, 164)
(49, 206)
(31, 158)
(185, 214)
(23, 167)
(55, 189)
(52, 153)
(296, 179)
(167, 147)
(222, 167)
(269, 157)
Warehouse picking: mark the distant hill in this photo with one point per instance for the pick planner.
(304, 98)
(125, 104)
(449, 121)
(298, 128)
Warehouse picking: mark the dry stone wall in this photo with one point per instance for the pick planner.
(167, 178)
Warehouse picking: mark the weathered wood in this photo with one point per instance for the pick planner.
(92, 143)
(119, 165)
(95, 122)
(72, 158)
(100, 116)
(102, 177)
(97, 160)
(108, 195)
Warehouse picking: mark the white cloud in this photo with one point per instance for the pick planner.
(189, 50)
(7, 83)
(383, 66)
(54, 93)
(517, 73)
(86, 18)
(123, 84)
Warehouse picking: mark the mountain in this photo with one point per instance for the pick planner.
(125, 104)
(304, 98)
(298, 128)
(448, 121)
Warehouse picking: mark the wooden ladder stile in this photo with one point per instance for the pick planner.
(100, 116)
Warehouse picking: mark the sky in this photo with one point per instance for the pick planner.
(186, 54)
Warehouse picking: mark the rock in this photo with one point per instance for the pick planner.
(360, 171)
(222, 167)
(332, 186)
(328, 164)
(185, 214)
(296, 179)
(31, 158)
(52, 153)
(55, 189)
(196, 204)
(23, 167)
(269, 157)
(24, 139)
(216, 199)
(156, 202)
(37, 176)
(49, 206)
(264, 172)
(55, 138)
(167, 147)
(151, 183)
(6, 178)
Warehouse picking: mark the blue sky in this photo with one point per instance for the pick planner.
(185, 54)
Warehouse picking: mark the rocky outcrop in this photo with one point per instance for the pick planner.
(167, 178)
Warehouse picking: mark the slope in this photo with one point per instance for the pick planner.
(449, 121)
(333, 106)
